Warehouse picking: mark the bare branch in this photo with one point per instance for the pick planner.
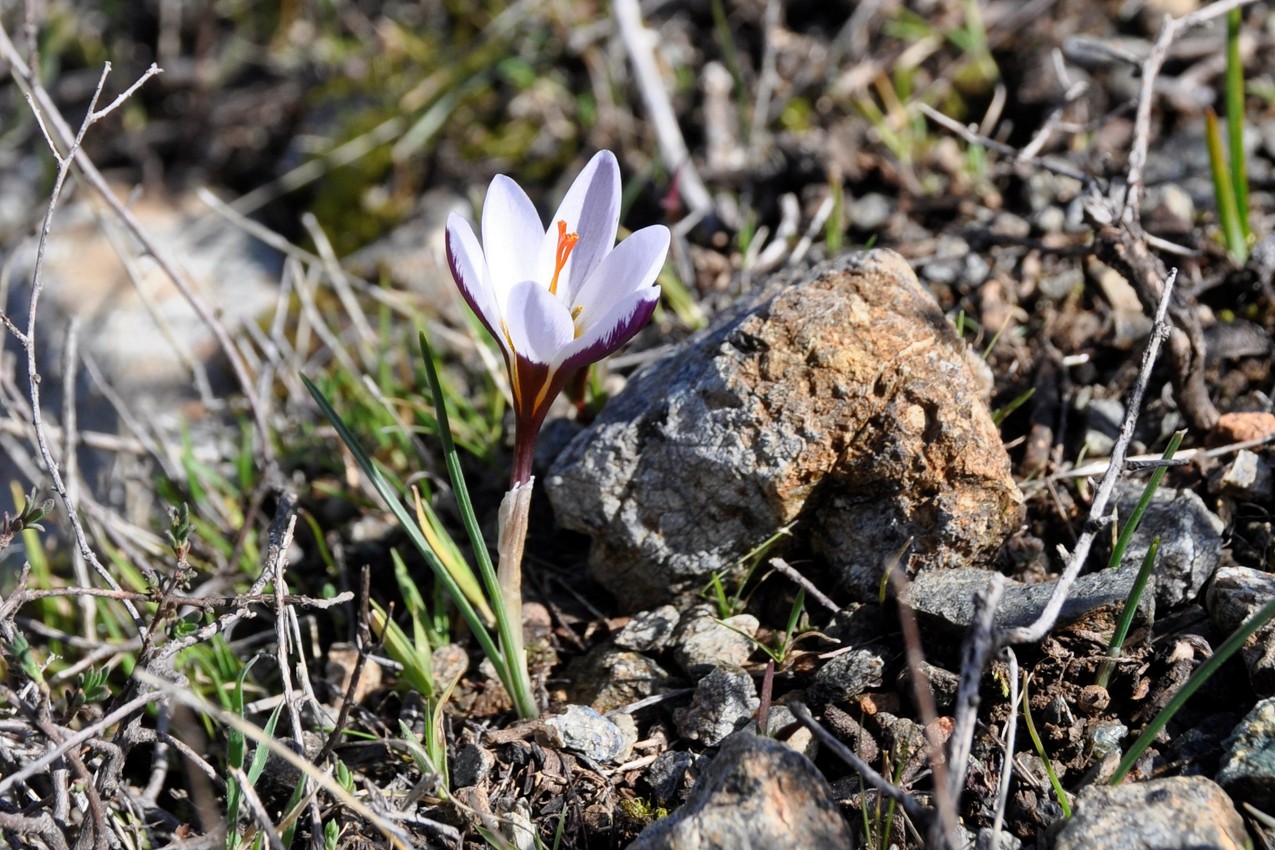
(1098, 510)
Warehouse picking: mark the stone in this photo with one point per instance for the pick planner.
(1248, 768)
(847, 675)
(1190, 540)
(1102, 426)
(1241, 426)
(609, 679)
(723, 701)
(757, 792)
(471, 765)
(649, 630)
(840, 396)
(669, 775)
(1235, 595)
(943, 601)
(581, 729)
(1247, 477)
(1176, 813)
(702, 642)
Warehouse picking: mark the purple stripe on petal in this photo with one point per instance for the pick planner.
(611, 330)
(468, 267)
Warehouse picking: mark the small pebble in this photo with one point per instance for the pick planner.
(580, 729)
(847, 675)
(1246, 477)
(648, 630)
(702, 642)
(724, 700)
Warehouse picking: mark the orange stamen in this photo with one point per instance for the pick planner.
(566, 243)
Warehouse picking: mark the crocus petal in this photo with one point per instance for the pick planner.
(632, 266)
(512, 234)
(591, 208)
(611, 330)
(469, 270)
(539, 324)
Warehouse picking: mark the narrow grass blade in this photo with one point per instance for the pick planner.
(1059, 793)
(1235, 119)
(1148, 493)
(1224, 191)
(510, 641)
(408, 523)
(449, 554)
(1126, 616)
(1198, 678)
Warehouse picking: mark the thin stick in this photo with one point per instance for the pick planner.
(1097, 511)
(979, 645)
(918, 813)
(43, 104)
(805, 584)
(37, 286)
(637, 41)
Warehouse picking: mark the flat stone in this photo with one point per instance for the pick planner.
(581, 729)
(757, 792)
(1248, 769)
(1190, 541)
(701, 642)
(1177, 813)
(723, 701)
(943, 600)
(1235, 595)
(841, 396)
(649, 630)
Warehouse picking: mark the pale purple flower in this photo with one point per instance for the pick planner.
(559, 299)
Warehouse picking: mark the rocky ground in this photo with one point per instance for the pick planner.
(792, 556)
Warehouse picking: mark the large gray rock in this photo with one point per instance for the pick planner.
(757, 792)
(1177, 813)
(842, 397)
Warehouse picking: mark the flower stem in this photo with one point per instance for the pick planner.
(515, 509)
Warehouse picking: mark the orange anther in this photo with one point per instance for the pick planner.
(566, 242)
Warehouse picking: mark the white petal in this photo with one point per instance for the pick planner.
(469, 268)
(591, 208)
(632, 266)
(611, 330)
(512, 233)
(539, 325)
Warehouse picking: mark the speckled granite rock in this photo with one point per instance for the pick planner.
(1248, 769)
(757, 792)
(1235, 595)
(841, 396)
(1177, 813)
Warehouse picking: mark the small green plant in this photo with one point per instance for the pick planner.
(1059, 794)
(730, 603)
(1202, 674)
(1114, 648)
(1229, 169)
(236, 756)
(28, 516)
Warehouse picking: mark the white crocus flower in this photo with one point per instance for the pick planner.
(559, 299)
